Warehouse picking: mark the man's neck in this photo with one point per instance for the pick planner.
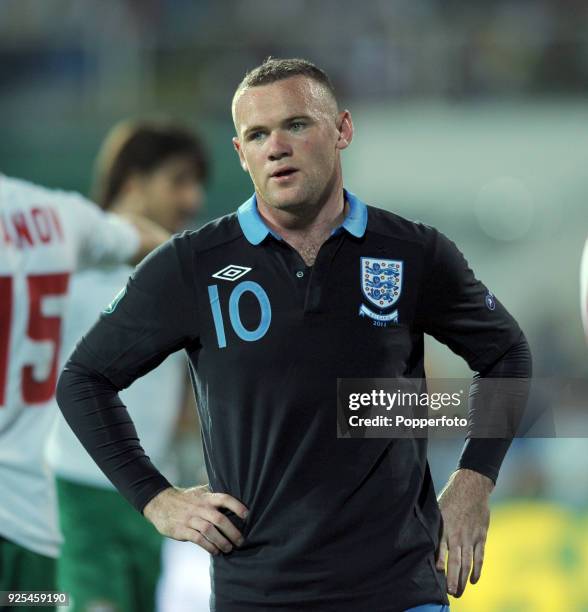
(312, 218)
(307, 229)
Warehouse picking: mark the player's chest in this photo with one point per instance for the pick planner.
(367, 292)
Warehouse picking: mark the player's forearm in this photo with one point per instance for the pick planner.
(98, 417)
(497, 409)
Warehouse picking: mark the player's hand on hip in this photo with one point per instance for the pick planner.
(194, 515)
(465, 508)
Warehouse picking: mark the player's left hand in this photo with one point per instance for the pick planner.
(465, 508)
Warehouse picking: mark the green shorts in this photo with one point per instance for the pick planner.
(111, 555)
(24, 570)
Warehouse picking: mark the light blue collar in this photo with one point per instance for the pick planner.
(255, 229)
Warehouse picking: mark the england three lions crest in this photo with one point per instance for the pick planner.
(381, 284)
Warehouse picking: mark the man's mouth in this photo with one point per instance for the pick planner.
(283, 174)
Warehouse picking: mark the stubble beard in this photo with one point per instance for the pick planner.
(307, 197)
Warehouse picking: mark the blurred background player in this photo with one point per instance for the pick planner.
(156, 169)
(45, 235)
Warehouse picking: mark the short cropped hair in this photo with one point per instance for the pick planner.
(276, 69)
(142, 146)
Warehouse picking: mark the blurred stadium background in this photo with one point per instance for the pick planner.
(469, 116)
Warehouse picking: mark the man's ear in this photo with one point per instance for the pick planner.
(345, 127)
(237, 147)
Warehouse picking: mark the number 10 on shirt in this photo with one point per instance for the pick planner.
(234, 314)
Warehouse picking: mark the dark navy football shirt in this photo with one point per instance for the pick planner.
(335, 524)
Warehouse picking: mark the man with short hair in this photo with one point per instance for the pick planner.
(271, 306)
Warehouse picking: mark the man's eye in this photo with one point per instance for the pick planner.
(256, 136)
(296, 126)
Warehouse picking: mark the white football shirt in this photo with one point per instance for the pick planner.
(45, 235)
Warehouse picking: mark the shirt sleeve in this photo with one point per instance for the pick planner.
(103, 238)
(153, 316)
(460, 311)
(504, 408)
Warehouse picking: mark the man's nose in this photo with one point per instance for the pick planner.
(278, 146)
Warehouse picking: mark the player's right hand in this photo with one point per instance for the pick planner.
(193, 515)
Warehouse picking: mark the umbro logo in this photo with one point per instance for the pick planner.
(231, 272)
